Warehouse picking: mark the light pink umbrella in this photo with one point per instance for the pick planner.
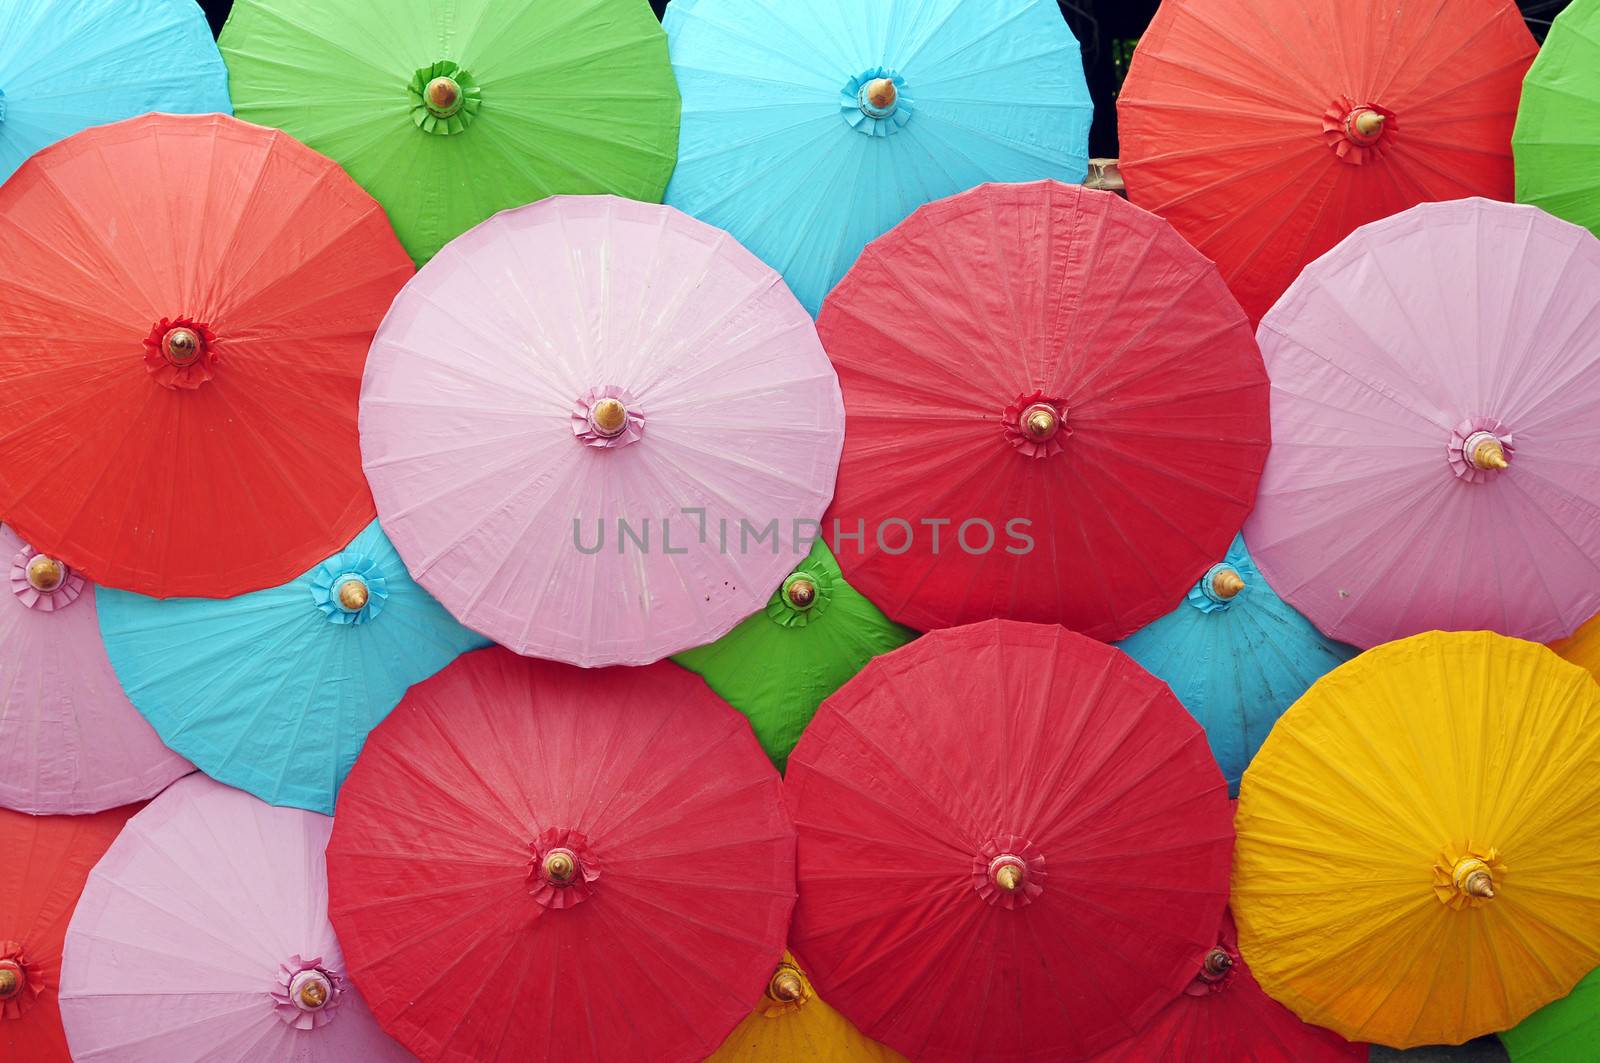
(1435, 425)
(203, 935)
(598, 430)
(69, 740)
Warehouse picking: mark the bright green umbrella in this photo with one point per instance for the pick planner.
(1567, 1031)
(450, 110)
(1557, 139)
(778, 665)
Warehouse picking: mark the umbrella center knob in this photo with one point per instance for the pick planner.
(1008, 872)
(45, 574)
(1473, 878)
(442, 97)
(609, 417)
(1486, 452)
(1217, 963)
(878, 98)
(353, 595)
(801, 592)
(561, 866)
(1227, 584)
(310, 990)
(786, 986)
(1040, 422)
(12, 979)
(181, 345)
(1365, 125)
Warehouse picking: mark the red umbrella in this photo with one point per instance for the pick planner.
(190, 301)
(1055, 411)
(1013, 844)
(535, 862)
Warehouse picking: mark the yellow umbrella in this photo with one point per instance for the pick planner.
(791, 1025)
(1417, 859)
(1583, 646)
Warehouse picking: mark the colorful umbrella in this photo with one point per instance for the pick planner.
(275, 691)
(66, 65)
(1435, 385)
(1583, 647)
(192, 302)
(1558, 124)
(449, 110)
(811, 129)
(1223, 1015)
(792, 1025)
(203, 936)
(1236, 656)
(1013, 845)
(69, 740)
(776, 667)
(1564, 1032)
(534, 862)
(614, 463)
(1416, 859)
(1266, 134)
(1035, 434)
(46, 861)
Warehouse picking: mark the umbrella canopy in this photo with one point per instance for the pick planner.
(792, 1025)
(776, 667)
(276, 690)
(1435, 386)
(1416, 860)
(1236, 655)
(47, 860)
(1222, 1014)
(66, 65)
(1013, 845)
(69, 740)
(535, 862)
(1583, 647)
(1563, 1032)
(450, 110)
(203, 937)
(179, 381)
(811, 129)
(1267, 138)
(1558, 124)
(1032, 434)
(614, 463)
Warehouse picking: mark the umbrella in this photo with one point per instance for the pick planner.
(449, 110)
(1013, 845)
(47, 859)
(536, 862)
(613, 461)
(69, 64)
(203, 936)
(192, 302)
(69, 740)
(1236, 656)
(811, 129)
(1267, 134)
(1563, 1032)
(1435, 384)
(276, 690)
(1416, 859)
(1583, 647)
(1222, 1014)
(776, 667)
(1558, 123)
(792, 1025)
(1033, 434)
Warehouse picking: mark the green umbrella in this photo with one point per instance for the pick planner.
(778, 665)
(1557, 140)
(450, 110)
(1567, 1031)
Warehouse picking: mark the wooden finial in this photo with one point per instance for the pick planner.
(1008, 877)
(881, 93)
(1227, 584)
(1489, 454)
(1369, 123)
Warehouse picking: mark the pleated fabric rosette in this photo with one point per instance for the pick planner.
(193, 298)
(450, 110)
(1558, 121)
(1435, 387)
(1267, 135)
(1416, 862)
(791, 1024)
(276, 690)
(809, 130)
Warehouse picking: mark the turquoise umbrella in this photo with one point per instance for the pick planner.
(66, 65)
(1236, 655)
(274, 691)
(812, 128)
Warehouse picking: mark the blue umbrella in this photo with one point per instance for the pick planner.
(1236, 656)
(66, 65)
(812, 128)
(274, 692)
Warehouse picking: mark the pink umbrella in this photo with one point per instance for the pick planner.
(1435, 418)
(203, 935)
(69, 740)
(599, 431)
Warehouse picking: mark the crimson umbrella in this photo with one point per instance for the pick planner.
(1055, 412)
(1014, 843)
(535, 862)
